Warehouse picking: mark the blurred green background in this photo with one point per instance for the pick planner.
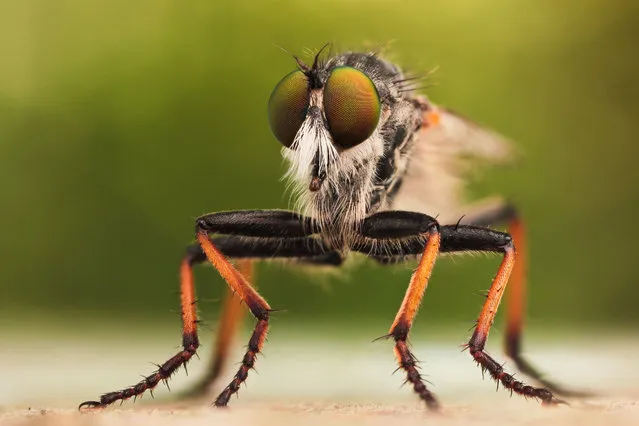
(120, 122)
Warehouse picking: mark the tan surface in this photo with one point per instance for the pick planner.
(592, 413)
(324, 381)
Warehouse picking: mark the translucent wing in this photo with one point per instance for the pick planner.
(443, 155)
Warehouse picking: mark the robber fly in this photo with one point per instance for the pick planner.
(378, 170)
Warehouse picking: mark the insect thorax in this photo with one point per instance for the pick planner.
(363, 179)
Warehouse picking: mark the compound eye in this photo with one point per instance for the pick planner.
(351, 105)
(287, 107)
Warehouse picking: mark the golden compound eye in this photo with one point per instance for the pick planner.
(351, 105)
(287, 107)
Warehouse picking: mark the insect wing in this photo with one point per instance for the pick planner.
(443, 157)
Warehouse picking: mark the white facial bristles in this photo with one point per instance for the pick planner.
(312, 139)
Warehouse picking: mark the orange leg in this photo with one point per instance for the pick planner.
(229, 324)
(406, 315)
(446, 239)
(497, 212)
(516, 310)
(257, 305)
(190, 344)
(517, 291)
(232, 315)
(484, 323)
(280, 233)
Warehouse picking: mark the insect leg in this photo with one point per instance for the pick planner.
(496, 212)
(463, 238)
(233, 314)
(389, 225)
(190, 343)
(253, 224)
(230, 321)
(287, 243)
(458, 238)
